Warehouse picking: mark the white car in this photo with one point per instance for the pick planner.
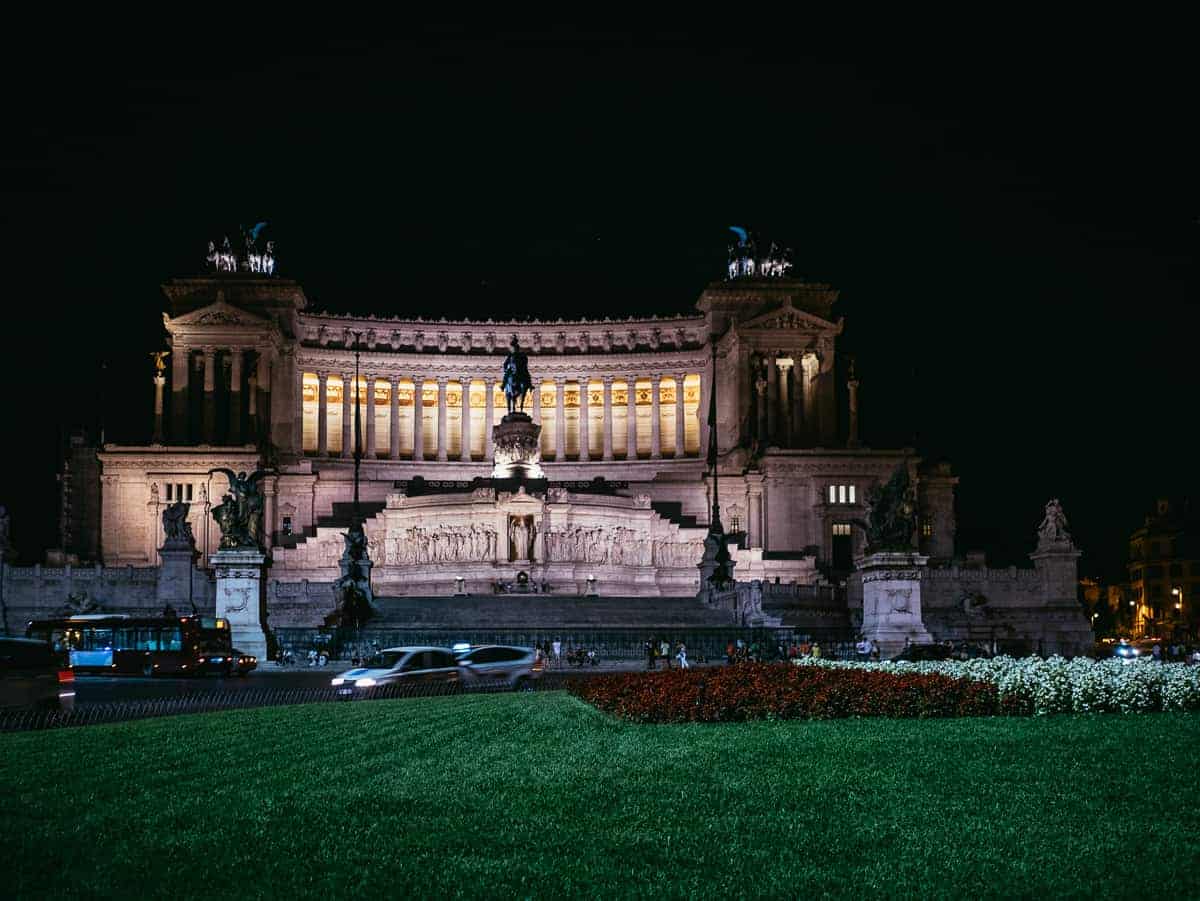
(398, 666)
(513, 667)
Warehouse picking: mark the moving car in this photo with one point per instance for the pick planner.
(240, 663)
(398, 666)
(513, 667)
(32, 673)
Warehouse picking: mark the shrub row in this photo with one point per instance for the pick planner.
(1057, 685)
(755, 691)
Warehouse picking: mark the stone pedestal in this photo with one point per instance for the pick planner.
(241, 598)
(175, 575)
(891, 583)
(516, 450)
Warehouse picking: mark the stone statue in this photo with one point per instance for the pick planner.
(518, 536)
(240, 511)
(1053, 529)
(176, 528)
(891, 514)
(517, 382)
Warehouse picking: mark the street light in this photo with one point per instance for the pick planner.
(1177, 591)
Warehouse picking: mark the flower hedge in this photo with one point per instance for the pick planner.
(755, 691)
(1057, 685)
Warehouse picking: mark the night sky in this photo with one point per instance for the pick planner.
(1013, 221)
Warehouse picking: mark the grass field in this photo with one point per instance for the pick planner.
(541, 795)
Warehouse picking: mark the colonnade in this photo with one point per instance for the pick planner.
(582, 418)
(235, 369)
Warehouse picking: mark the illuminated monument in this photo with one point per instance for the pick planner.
(571, 454)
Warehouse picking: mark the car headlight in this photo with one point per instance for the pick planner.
(338, 681)
(365, 683)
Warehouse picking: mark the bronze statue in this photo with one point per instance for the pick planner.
(160, 360)
(240, 513)
(176, 528)
(891, 514)
(517, 382)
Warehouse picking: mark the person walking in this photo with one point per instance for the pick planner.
(681, 656)
(730, 650)
(664, 649)
(816, 651)
(648, 647)
(557, 652)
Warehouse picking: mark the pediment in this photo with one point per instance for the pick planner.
(787, 317)
(219, 313)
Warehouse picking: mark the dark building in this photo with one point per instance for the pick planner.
(1164, 569)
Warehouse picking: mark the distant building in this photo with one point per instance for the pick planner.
(1164, 569)
(79, 503)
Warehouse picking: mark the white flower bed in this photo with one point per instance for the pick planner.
(1058, 685)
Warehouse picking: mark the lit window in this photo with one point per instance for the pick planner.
(735, 522)
(852, 495)
(833, 494)
(842, 494)
(927, 527)
(841, 529)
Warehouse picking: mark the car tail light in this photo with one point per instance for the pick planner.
(66, 675)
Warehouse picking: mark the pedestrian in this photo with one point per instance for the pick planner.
(1156, 653)
(816, 651)
(664, 649)
(681, 656)
(805, 648)
(862, 650)
(874, 652)
(730, 650)
(557, 652)
(648, 647)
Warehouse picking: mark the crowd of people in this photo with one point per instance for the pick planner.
(656, 649)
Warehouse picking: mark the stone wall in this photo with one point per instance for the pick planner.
(41, 592)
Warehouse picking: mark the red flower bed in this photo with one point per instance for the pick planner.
(755, 691)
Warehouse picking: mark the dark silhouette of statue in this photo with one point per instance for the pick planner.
(240, 512)
(516, 382)
(891, 514)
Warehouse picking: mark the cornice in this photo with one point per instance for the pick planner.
(380, 363)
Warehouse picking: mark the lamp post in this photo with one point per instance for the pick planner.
(357, 431)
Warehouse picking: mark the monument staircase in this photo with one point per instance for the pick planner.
(672, 511)
(545, 612)
(339, 519)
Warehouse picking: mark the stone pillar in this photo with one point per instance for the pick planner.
(369, 413)
(760, 387)
(348, 397)
(827, 400)
(560, 423)
(235, 396)
(268, 367)
(810, 365)
(241, 598)
(418, 418)
(465, 456)
(891, 583)
(489, 415)
(772, 400)
(702, 412)
(852, 437)
(537, 403)
(785, 404)
(631, 418)
(442, 382)
(655, 419)
(180, 360)
(394, 418)
(160, 382)
(252, 406)
(754, 526)
(584, 425)
(323, 413)
(680, 451)
(608, 418)
(208, 413)
(796, 395)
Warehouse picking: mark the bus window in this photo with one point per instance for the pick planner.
(97, 639)
(171, 639)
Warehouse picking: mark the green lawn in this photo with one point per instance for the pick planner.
(540, 795)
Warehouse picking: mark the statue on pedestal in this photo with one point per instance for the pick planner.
(1053, 529)
(891, 514)
(240, 512)
(177, 531)
(517, 382)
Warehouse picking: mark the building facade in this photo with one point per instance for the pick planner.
(1164, 571)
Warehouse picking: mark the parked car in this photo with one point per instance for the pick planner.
(32, 673)
(513, 667)
(242, 663)
(398, 666)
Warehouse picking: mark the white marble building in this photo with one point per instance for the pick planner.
(256, 378)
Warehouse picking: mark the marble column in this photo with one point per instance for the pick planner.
(702, 411)
(679, 430)
(322, 413)
(160, 382)
(537, 403)
(348, 392)
(442, 382)
(489, 415)
(394, 419)
(369, 413)
(772, 400)
(235, 396)
(608, 418)
(810, 365)
(208, 413)
(754, 525)
(852, 437)
(785, 405)
(655, 422)
(584, 425)
(180, 359)
(760, 388)
(418, 418)
(560, 424)
(465, 456)
(631, 418)
(252, 406)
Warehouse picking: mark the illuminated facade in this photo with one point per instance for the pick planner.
(256, 378)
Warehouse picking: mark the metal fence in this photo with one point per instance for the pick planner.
(26, 719)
